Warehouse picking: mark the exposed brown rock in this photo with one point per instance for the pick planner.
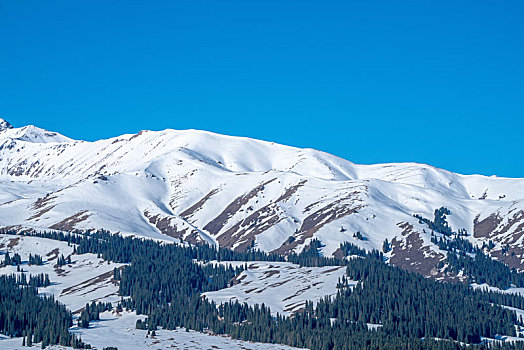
(514, 257)
(192, 209)
(409, 253)
(165, 225)
(215, 225)
(69, 223)
(270, 273)
(516, 218)
(108, 276)
(13, 242)
(486, 226)
(339, 254)
(492, 227)
(53, 254)
(41, 212)
(323, 216)
(246, 230)
(290, 191)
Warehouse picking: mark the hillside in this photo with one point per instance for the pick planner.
(198, 186)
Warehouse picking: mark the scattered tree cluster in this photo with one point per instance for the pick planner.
(311, 255)
(16, 260)
(454, 244)
(349, 249)
(35, 259)
(61, 261)
(439, 223)
(91, 312)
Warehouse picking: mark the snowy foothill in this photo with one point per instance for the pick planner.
(88, 278)
(284, 287)
(118, 330)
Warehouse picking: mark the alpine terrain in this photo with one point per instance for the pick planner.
(196, 186)
(194, 240)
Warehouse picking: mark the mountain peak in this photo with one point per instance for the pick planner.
(4, 124)
(30, 133)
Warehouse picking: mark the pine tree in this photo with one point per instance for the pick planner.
(385, 246)
(7, 259)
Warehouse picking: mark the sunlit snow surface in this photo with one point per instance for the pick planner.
(284, 287)
(188, 178)
(86, 279)
(119, 331)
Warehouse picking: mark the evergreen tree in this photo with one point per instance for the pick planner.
(385, 246)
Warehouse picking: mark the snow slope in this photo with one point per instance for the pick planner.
(86, 279)
(284, 287)
(118, 330)
(199, 186)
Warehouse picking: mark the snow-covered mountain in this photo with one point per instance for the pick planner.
(238, 192)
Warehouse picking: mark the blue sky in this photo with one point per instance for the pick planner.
(438, 82)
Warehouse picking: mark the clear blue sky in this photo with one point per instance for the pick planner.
(438, 82)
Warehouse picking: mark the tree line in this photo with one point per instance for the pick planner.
(36, 318)
(163, 282)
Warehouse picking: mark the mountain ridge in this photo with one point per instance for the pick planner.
(199, 186)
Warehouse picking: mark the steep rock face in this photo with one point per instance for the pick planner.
(198, 186)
